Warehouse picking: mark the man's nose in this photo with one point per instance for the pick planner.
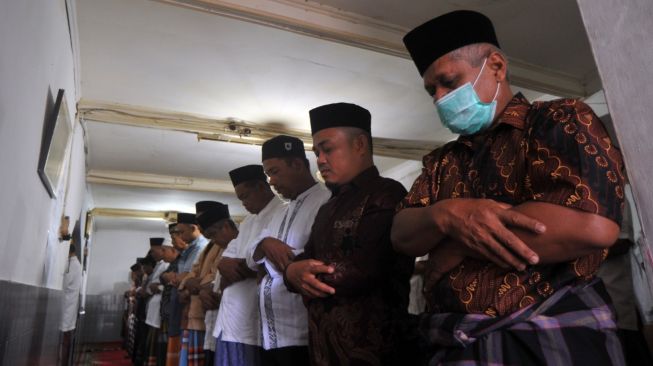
(321, 159)
(439, 94)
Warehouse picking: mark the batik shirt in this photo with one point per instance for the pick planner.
(556, 152)
(362, 323)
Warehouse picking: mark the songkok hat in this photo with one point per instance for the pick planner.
(156, 242)
(247, 173)
(135, 267)
(213, 215)
(339, 115)
(446, 33)
(283, 146)
(203, 206)
(186, 218)
(148, 260)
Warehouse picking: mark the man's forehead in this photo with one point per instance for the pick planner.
(326, 135)
(446, 65)
(270, 163)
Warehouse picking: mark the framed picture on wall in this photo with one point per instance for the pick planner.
(56, 136)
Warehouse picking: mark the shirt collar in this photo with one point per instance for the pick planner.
(513, 115)
(274, 202)
(190, 248)
(307, 192)
(363, 180)
(515, 112)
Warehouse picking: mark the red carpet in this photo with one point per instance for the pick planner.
(101, 354)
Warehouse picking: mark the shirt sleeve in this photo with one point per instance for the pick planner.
(196, 267)
(422, 193)
(572, 162)
(249, 256)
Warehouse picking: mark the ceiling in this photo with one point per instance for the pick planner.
(242, 65)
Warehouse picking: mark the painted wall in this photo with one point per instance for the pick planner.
(36, 60)
(114, 247)
(112, 251)
(620, 40)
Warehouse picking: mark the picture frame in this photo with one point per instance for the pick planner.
(57, 132)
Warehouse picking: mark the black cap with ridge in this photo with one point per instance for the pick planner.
(156, 242)
(213, 215)
(202, 206)
(283, 146)
(186, 218)
(340, 115)
(446, 33)
(247, 173)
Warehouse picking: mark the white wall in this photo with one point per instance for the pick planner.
(405, 173)
(36, 59)
(620, 37)
(112, 252)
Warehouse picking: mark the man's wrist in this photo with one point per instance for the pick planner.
(440, 216)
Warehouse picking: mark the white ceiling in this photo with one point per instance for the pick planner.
(545, 33)
(155, 55)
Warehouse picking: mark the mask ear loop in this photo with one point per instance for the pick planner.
(496, 92)
(479, 75)
(480, 72)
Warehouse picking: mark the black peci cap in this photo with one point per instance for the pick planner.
(340, 115)
(446, 33)
(283, 146)
(247, 173)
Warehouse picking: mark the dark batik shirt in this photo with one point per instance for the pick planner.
(362, 323)
(556, 152)
(166, 297)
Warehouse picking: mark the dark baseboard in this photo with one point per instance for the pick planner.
(29, 324)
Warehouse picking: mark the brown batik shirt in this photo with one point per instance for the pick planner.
(556, 152)
(362, 323)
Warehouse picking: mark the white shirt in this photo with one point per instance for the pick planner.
(238, 318)
(72, 283)
(284, 321)
(153, 317)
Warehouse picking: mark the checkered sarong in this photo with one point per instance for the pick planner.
(575, 326)
(192, 350)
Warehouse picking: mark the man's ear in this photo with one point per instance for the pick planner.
(361, 144)
(498, 64)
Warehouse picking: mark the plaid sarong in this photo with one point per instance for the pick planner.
(162, 346)
(575, 326)
(192, 350)
(131, 333)
(172, 354)
(153, 355)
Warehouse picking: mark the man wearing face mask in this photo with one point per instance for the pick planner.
(517, 214)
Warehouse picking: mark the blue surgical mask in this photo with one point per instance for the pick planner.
(462, 111)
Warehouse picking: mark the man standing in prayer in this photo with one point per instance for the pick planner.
(237, 327)
(170, 255)
(356, 287)
(517, 213)
(283, 314)
(72, 284)
(153, 317)
(215, 223)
